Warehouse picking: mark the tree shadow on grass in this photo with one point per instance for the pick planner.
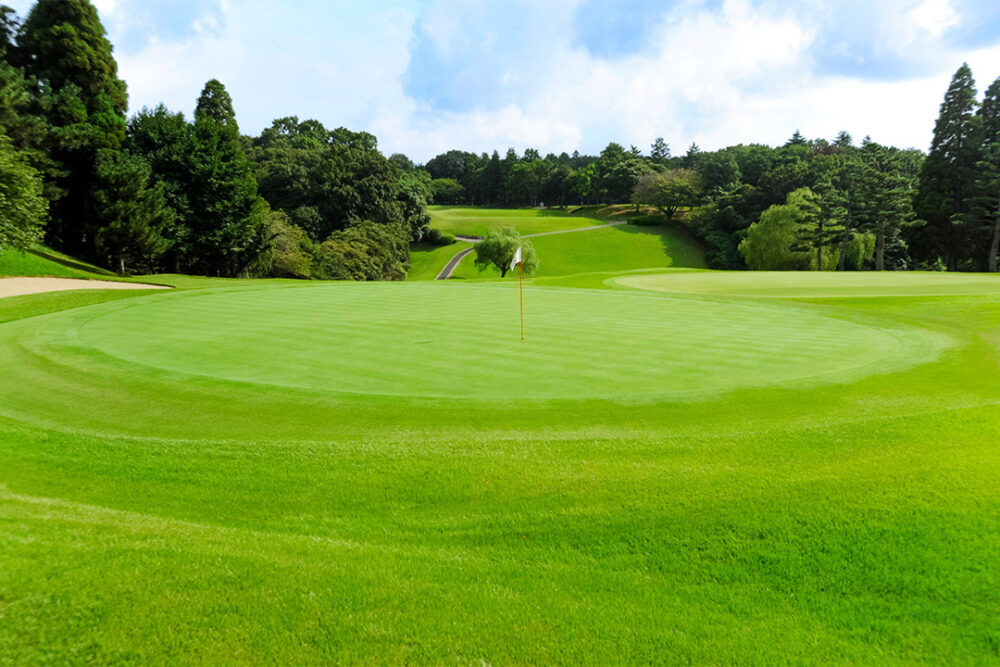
(683, 248)
(69, 263)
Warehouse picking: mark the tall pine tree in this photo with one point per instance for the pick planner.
(986, 204)
(948, 177)
(228, 230)
(63, 50)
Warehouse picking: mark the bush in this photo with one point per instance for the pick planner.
(647, 220)
(437, 237)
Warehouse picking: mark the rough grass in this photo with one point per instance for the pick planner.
(158, 505)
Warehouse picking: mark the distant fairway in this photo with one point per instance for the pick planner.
(475, 221)
(694, 471)
(614, 248)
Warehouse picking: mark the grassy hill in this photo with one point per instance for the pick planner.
(427, 260)
(336, 472)
(613, 248)
(46, 262)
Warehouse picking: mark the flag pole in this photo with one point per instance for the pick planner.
(520, 267)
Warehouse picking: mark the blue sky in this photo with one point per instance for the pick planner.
(562, 75)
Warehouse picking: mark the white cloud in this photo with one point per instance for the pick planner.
(933, 17)
(175, 72)
(105, 7)
(742, 73)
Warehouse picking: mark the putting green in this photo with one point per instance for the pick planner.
(463, 340)
(816, 284)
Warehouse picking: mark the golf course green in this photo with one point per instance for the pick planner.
(680, 466)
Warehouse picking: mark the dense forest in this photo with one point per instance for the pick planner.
(160, 192)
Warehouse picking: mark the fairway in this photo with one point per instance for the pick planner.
(341, 472)
(475, 221)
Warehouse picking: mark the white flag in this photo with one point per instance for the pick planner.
(517, 258)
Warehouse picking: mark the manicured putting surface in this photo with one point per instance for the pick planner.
(816, 284)
(463, 340)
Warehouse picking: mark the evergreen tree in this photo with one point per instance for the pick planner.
(986, 204)
(228, 232)
(888, 205)
(852, 179)
(63, 49)
(948, 177)
(821, 211)
(797, 139)
(134, 210)
(659, 151)
(166, 142)
(843, 140)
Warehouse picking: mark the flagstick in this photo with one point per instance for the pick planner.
(520, 281)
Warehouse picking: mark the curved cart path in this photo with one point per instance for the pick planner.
(450, 267)
(24, 285)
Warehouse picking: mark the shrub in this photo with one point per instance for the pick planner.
(647, 220)
(437, 237)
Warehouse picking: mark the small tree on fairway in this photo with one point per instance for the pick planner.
(497, 250)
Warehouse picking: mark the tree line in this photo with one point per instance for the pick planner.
(160, 192)
(808, 204)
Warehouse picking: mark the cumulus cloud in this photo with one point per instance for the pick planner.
(431, 76)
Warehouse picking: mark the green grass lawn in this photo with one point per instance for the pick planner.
(613, 249)
(45, 262)
(714, 468)
(426, 261)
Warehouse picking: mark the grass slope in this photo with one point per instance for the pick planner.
(45, 262)
(426, 261)
(613, 249)
(221, 475)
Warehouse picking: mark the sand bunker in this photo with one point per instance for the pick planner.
(19, 286)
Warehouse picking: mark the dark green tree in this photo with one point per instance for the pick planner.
(328, 180)
(986, 203)
(134, 211)
(888, 205)
(166, 142)
(668, 191)
(447, 191)
(366, 251)
(821, 212)
(948, 177)
(64, 51)
(22, 206)
(797, 139)
(228, 228)
(659, 151)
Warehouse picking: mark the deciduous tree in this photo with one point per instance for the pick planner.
(497, 250)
